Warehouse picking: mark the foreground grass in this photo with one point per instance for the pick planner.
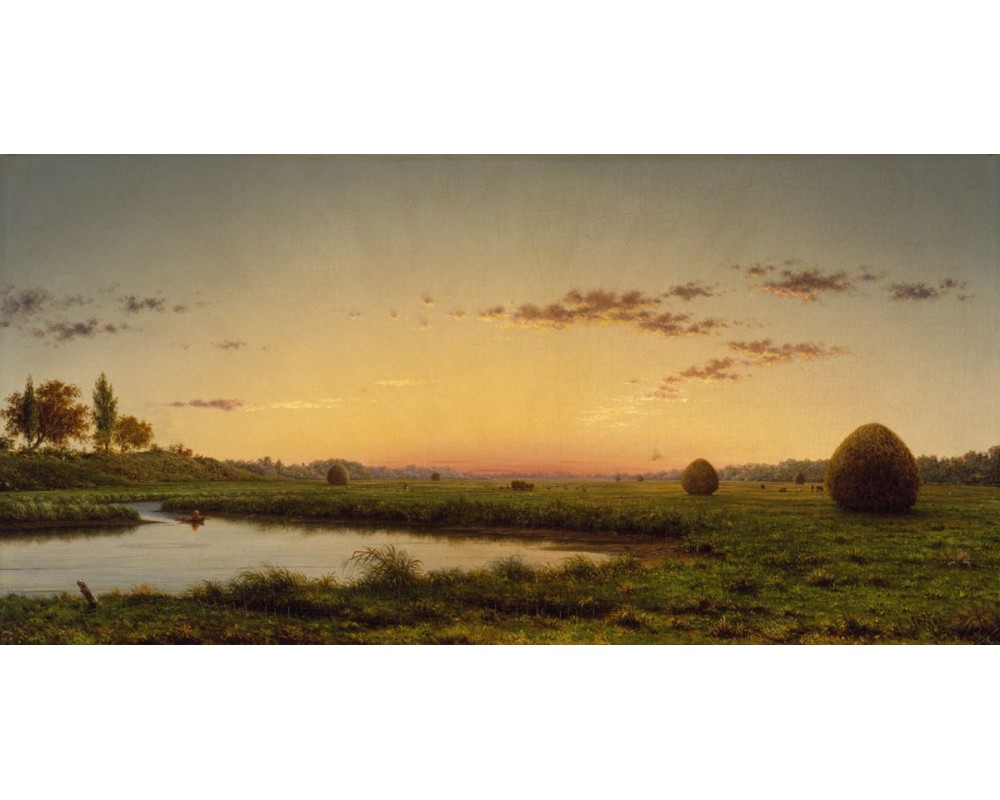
(760, 567)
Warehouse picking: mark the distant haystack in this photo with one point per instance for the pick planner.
(699, 477)
(338, 475)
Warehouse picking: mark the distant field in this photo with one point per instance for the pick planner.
(746, 565)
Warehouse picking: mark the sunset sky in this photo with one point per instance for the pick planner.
(512, 313)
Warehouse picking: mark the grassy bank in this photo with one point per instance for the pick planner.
(47, 512)
(760, 566)
(493, 507)
(88, 470)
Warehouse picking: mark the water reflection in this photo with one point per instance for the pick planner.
(174, 554)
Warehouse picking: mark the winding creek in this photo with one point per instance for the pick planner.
(174, 556)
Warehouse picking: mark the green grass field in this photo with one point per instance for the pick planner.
(746, 565)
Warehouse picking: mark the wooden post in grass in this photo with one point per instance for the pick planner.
(85, 591)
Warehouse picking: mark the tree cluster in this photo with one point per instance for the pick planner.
(271, 468)
(977, 469)
(52, 415)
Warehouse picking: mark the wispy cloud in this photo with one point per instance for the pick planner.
(427, 299)
(400, 382)
(457, 315)
(690, 290)
(807, 284)
(634, 309)
(765, 353)
(68, 331)
(621, 412)
(868, 275)
(674, 325)
(762, 353)
(24, 304)
(912, 291)
(29, 303)
(219, 404)
(756, 270)
(494, 313)
(715, 369)
(134, 305)
(298, 405)
(921, 291)
(230, 344)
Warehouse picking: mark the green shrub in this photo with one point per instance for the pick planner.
(338, 475)
(699, 477)
(800, 479)
(872, 470)
(435, 476)
(521, 486)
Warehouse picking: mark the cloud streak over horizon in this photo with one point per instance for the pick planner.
(634, 309)
(762, 353)
(765, 353)
(921, 291)
(219, 404)
(807, 284)
(68, 331)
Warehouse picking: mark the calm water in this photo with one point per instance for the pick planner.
(172, 556)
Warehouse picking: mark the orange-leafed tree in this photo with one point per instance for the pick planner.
(132, 434)
(60, 418)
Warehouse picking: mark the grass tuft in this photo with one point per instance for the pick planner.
(511, 568)
(386, 567)
(821, 578)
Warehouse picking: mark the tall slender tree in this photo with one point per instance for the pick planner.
(29, 415)
(104, 414)
(22, 416)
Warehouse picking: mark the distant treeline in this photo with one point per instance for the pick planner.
(785, 471)
(980, 469)
(317, 470)
(976, 469)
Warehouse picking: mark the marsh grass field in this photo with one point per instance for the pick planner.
(748, 565)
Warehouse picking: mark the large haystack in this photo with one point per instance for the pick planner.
(873, 470)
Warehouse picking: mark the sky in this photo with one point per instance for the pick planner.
(570, 314)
